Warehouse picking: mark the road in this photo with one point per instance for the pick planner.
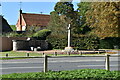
(56, 64)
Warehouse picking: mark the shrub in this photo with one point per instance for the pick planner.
(42, 34)
(109, 43)
(82, 74)
(86, 42)
(15, 34)
(57, 43)
(105, 45)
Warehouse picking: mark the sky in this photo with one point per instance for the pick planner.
(10, 10)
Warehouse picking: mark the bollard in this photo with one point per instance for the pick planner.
(45, 63)
(107, 65)
(43, 53)
(55, 53)
(98, 52)
(7, 55)
(68, 53)
(27, 54)
(80, 52)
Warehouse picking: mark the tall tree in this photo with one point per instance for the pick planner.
(83, 7)
(66, 11)
(104, 18)
(57, 25)
(64, 8)
(62, 15)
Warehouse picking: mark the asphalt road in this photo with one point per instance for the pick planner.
(56, 64)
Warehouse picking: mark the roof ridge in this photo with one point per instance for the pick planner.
(35, 14)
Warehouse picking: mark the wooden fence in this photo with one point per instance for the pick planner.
(45, 69)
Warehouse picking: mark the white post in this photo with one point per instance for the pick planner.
(45, 63)
(69, 35)
(107, 62)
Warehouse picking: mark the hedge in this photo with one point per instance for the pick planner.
(42, 34)
(82, 74)
(56, 43)
(86, 42)
(110, 43)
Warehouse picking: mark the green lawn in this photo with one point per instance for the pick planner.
(81, 74)
(19, 54)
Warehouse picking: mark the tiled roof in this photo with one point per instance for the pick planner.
(36, 19)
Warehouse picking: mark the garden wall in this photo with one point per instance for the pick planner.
(7, 44)
(30, 45)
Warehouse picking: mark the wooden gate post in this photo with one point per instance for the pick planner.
(45, 63)
(55, 53)
(107, 64)
(27, 54)
(7, 55)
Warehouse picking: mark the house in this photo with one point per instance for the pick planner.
(4, 26)
(29, 21)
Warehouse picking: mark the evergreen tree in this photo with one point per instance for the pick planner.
(57, 25)
(62, 15)
(83, 7)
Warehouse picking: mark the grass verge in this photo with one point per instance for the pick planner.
(18, 54)
(82, 74)
(23, 55)
(13, 58)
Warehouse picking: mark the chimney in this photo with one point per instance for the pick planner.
(20, 20)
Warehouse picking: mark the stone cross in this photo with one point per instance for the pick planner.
(69, 35)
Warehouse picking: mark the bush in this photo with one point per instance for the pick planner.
(15, 34)
(57, 43)
(82, 74)
(105, 45)
(109, 43)
(85, 42)
(42, 34)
